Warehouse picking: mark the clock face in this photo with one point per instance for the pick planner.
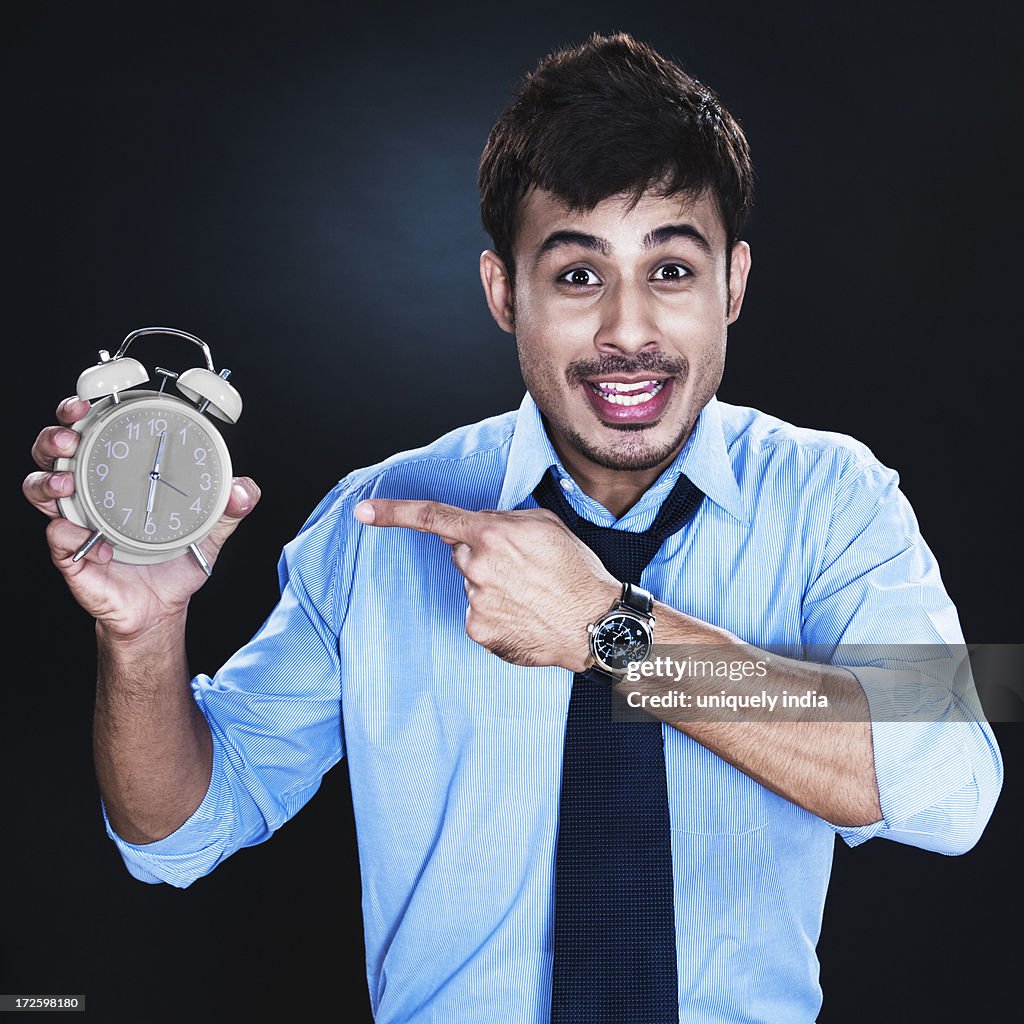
(153, 473)
(621, 639)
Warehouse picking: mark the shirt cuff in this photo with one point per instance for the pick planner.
(192, 850)
(928, 787)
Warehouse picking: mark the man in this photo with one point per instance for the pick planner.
(441, 614)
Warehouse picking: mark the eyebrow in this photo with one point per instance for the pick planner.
(653, 239)
(558, 239)
(659, 236)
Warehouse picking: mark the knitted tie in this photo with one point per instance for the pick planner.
(615, 943)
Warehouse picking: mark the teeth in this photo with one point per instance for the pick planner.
(629, 399)
(616, 398)
(625, 388)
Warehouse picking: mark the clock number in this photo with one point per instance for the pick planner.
(117, 449)
(150, 528)
(109, 500)
(195, 506)
(127, 515)
(133, 431)
(207, 481)
(102, 470)
(157, 427)
(184, 433)
(174, 521)
(200, 456)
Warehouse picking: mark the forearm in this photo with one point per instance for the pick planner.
(151, 744)
(823, 761)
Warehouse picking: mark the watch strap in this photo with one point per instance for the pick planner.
(637, 599)
(601, 676)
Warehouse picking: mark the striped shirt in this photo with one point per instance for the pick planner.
(454, 756)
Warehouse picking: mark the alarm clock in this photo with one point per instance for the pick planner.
(152, 471)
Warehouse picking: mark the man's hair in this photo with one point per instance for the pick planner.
(612, 117)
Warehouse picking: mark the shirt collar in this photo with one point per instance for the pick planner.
(704, 459)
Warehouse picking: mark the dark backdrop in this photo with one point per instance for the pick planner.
(299, 189)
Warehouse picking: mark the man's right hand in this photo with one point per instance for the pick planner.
(127, 600)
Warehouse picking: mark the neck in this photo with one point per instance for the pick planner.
(618, 490)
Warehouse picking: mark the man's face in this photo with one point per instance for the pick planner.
(620, 317)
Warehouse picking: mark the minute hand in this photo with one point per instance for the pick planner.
(154, 475)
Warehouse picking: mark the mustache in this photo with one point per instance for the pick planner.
(644, 362)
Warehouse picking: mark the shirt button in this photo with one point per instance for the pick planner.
(567, 484)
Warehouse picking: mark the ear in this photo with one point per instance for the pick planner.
(739, 268)
(497, 290)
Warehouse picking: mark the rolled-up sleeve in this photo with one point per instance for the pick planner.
(938, 782)
(274, 712)
(878, 606)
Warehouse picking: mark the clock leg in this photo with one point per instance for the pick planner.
(87, 546)
(198, 555)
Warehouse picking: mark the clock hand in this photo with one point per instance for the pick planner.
(154, 475)
(159, 451)
(172, 487)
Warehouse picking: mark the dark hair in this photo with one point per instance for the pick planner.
(612, 117)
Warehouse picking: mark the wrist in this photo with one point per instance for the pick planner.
(160, 635)
(598, 600)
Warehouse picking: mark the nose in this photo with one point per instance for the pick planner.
(628, 323)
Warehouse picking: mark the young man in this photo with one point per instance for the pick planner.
(456, 621)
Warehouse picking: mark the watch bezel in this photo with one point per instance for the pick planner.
(619, 612)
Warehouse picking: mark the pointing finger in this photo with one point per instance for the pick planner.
(446, 521)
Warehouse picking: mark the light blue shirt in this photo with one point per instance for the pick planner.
(455, 756)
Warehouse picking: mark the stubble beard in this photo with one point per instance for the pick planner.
(634, 452)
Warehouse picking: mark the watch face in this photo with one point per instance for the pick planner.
(153, 474)
(620, 639)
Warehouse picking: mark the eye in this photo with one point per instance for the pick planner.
(580, 277)
(671, 272)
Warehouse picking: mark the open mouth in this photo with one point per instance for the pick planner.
(627, 394)
(629, 402)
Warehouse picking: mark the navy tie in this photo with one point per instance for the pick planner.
(614, 936)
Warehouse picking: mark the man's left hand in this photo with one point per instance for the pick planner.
(533, 586)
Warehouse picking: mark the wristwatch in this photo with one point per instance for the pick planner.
(624, 634)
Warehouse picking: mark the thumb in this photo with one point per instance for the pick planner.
(242, 500)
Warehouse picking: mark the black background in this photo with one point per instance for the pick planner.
(297, 187)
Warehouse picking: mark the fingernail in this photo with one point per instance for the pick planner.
(364, 512)
(64, 439)
(59, 482)
(241, 496)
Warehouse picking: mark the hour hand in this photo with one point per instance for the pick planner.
(154, 474)
(153, 478)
